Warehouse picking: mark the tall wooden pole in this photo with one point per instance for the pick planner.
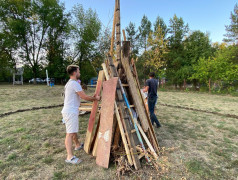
(113, 32)
(118, 31)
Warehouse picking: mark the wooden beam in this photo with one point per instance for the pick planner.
(151, 132)
(85, 109)
(113, 32)
(118, 30)
(124, 34)
(133, 87)
(91, 123)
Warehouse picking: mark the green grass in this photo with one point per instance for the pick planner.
(198, 145)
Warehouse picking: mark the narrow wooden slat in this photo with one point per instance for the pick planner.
(89, 134)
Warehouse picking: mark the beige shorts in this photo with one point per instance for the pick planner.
(71, 122)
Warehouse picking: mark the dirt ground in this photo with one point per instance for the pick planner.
(194, 145)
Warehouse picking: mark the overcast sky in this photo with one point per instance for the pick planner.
(206, 15)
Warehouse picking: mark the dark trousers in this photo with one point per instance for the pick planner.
(151, 104)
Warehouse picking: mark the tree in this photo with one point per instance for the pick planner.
(144, 31)
(220, 68)
(27, 22)
(86, 30)
(156, 55)
(232, 29)
(132, 36)
(197, 45)
(178, 31)
(160, 23)
(56, 46)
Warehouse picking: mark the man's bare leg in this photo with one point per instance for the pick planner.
(68, 145)
(76, 141)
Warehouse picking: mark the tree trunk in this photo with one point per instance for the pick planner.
(184, 84)
(209, 84)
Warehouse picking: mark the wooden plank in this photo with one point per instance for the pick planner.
(85, 108)
(116, 138)
(133, 87)
(89, 134)
(106, 122)
(124, 34)
(125, 119)
(151, 132)
(95, 145)
(113, 32)
(119, 121)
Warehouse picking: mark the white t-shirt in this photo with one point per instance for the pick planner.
(71, 99)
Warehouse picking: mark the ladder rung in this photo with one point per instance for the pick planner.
(130, 106)
(133, 130)
(125, 85)
(141, 155)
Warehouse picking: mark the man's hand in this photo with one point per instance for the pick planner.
(98, 98)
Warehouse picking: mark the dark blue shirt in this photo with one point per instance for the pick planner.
(153, 85)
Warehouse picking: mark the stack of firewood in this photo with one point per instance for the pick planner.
(122, 127)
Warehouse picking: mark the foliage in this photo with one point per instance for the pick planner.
(28, 22)
(156, 55)
(132, 36)
(144, 31)
(176, 56)
(232, 29)
(86, 30)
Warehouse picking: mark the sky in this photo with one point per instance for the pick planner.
(205, 15)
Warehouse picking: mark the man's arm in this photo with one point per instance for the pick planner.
(88, 98)
(146, 88)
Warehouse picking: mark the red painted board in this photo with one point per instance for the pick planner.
(106, 122)
(91, 123)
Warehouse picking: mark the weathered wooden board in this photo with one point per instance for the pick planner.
(133, 87)
(91, 123)
(106, 122)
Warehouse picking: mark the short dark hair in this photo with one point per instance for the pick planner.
(152, 74)
(71, 69)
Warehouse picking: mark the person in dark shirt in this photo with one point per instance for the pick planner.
(151, 88)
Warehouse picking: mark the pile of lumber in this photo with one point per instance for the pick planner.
(120, 125)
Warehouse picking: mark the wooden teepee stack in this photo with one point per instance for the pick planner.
(123, 121)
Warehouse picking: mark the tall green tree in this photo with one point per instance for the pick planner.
(56, 46)
(178, 30)
(232, 29)
(132, 36)
(156, 55)
(159, 22)
(197, 45)
(144, 32)
(27, 22)
(86, 31)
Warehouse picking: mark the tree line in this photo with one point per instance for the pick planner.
(41, 34)
(183, 56)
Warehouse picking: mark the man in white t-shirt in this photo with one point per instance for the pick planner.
(70, 111)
